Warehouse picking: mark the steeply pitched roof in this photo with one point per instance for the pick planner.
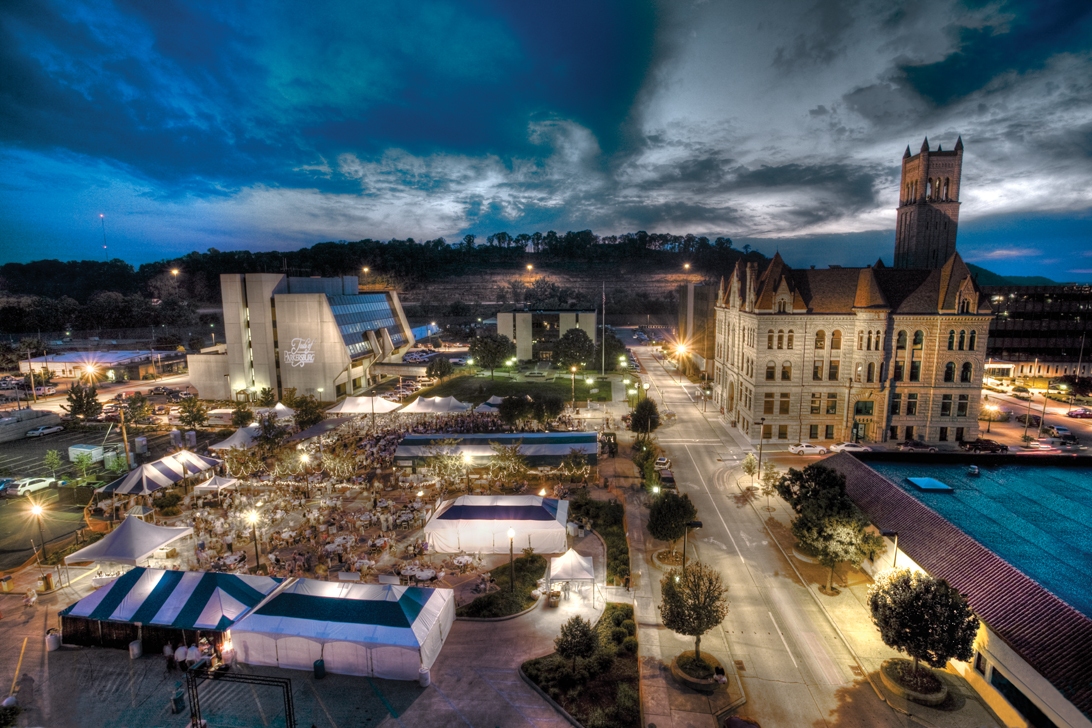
(1051, 636)
(869, 294)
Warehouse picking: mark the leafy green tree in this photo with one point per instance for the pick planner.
(192, 414)
(118, 467)
(770, 479)
(83, 462)
(271, 434)
(137, 407)
(836, 531)
(83, 401)
(1077, 386)
(53, 462)
(816, 482)
(750, 466)
(309, 412)
(196, 343)
(693, 601)
(645, 418)
(547, 407)
(507, 462)
(574, 347)
(668, 516)
(242, 415)
(615, 348)
(491, 351)
(574, 465)
(922, 616)
(578, 638)
(514, 409)
(267, 397)
(440, 367)
(289, 397)
(444, 461)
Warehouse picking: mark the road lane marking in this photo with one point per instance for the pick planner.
(821, 657)
(782, 636)
(714, 504)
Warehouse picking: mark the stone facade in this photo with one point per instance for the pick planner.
(872, 354)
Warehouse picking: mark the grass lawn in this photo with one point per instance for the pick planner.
(501, 603)
(478, 388)
(602, 692)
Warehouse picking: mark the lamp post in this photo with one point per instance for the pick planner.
(645, 387)
(573, 370)
(511, 559)
(761, 436)
(992, 410)
(686, 537)
(37, 510)
(895, 535)
(252, 519)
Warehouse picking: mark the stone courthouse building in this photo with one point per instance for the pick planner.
(872, 354)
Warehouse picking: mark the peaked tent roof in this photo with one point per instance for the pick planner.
(435, 405)
(243, 437)
(571, 566)
(283, 412)
(215, 484)
(129, 543)
(177, 599)
(363, 406)
(159, 473)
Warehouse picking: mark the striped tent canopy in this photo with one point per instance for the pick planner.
(159, 474)
(175, 599)
(540, 448)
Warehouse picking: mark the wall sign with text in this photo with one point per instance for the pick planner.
(301, 353)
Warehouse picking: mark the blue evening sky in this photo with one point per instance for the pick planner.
(191, 125)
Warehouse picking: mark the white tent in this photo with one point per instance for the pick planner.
(130, 543)
(480, 523)
(494, 400)
(571, 566)
(486, 408)
(374, 630)
(243, 437)
(435, 405)
(215, 485)
(363, 406)
(282, 412)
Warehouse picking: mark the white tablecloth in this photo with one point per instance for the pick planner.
(464, 560)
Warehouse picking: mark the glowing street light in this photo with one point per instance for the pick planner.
(37, 511)
(530, 267)
(252, 519)
(992, 409)
(573, 370)
(512, 559)
(174, 271)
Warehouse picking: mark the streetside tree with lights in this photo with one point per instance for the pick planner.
(490, 351)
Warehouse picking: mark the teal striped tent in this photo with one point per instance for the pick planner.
(540, 448)
(157, 606)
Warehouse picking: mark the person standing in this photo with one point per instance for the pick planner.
(180, 656)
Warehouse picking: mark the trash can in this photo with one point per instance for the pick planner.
(45, 583)
(320, 669)
(136, 650)
(424, 677)
(178, 701)
(6, 584)
(52, 640)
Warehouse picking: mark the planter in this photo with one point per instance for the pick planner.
(705, 685)
(887, 675)
(659, 564)
(804, 557)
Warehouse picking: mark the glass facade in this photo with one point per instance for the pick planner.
(357, 315)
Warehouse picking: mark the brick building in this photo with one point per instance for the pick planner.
(928, 213)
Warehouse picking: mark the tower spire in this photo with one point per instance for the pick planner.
(907, 154)
(925, 145)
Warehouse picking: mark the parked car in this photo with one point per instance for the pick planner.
(30, 485)
(662, 463)
(1026, 419)
(161, 409)
(186, 395)
(806, 448)
(44, 430)
(983, 445)
(1057, 431)
(849, 447)
(5, 485)
(45, 391)
(160, 390)
(1079, 413)
(667, 481)
(915, 446)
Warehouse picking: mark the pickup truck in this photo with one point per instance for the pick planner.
(983, 445)
(915, 446)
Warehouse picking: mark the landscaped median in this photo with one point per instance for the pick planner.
(505, 601)
(594, 675)
(608, 519)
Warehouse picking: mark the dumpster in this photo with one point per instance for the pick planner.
(320, 669)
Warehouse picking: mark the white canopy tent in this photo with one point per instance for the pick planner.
(363, 406)
(243, 437)
(282, 412)
(435, 405)
(215, 484)
(571, 566)
(374, 630)
(480, 523)
(130, 543)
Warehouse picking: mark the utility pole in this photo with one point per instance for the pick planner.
(124, 437)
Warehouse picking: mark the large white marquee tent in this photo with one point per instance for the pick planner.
(243, 437)
(363, 406)
(435, 405)
(480, 523)
(130, 543)
(375, 630)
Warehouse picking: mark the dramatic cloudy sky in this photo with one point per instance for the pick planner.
(780, 123)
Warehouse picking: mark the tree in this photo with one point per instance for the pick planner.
(547, 407)
(693, 601)
(241, 416)
(83, 463)
(271, 434)
(574, 465)
(52, 461)
(770, 479)
(440, 367)
(83, 401)
(1077, 386)
(750, 466)
(615, 348)
(514, 409)
(289, 397)
(137, 408)
(507, 462)
(491, 351)
(196, 343)
(192, 414)
(240, 461)
(668, 516)
(578, 638)
(645, 418)
(837, 531)
(816, 482)
(309, 412)
(267, 397)
(443, 460)
(574, 347)
(923, 617)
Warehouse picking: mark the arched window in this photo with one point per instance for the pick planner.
(965, 372)
(857, 373)
(780, 339)
(947, 187)
(879, 341)
(870, 341)
(900, 342)
(860, 340)
(769, 339)
(788, 344)
(971, 343)
(964, 305)
(951, 340)
(919, 340)
(771, 369)
(786, 371)
(835, 340)
(820, 340)
(962, 339)
(871, 372)
(949, 372)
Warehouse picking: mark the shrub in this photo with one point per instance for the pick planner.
(626, 609)
(629, 644)
(168, 501)
(629, 626)
(603, 660)
(617, 618)
(627, 705)
(599, 718)
(618, 634)
(172, 511)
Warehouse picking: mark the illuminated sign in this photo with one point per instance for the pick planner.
(300, 353)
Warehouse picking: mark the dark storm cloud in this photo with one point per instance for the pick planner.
(828, 24)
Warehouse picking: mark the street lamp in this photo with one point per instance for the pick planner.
(252, 519)
(530, 267)
(320, 390)
(992, 409)
(573, 370)
(645, 386)
(512, 559)
(686, 537)
(36, 510)
(761, 435)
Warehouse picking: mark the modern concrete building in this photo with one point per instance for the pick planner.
(535, 332)
(697, 326)
(318, 335)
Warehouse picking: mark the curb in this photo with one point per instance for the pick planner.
(564, 713)
(538, 603)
